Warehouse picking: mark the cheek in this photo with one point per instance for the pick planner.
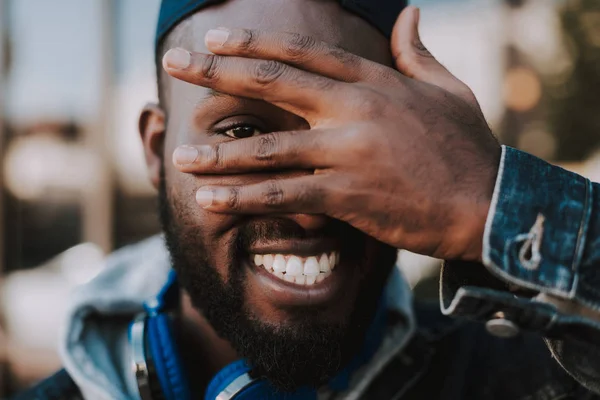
(200, 230)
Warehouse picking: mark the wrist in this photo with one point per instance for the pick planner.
(472, 231)
(472, 214)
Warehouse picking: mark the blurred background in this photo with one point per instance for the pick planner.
(75, 73)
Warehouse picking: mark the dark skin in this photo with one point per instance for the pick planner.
(404, 155)
(200, 117)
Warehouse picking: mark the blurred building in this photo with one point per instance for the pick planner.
(74, 75)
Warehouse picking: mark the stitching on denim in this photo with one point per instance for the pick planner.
(533, 244)
(580, 244)
(506, 256)
(487, 259)
(522, 282)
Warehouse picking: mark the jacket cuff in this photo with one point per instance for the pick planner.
(537, 225)
(468, 290)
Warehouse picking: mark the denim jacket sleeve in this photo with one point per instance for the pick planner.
(542, 241)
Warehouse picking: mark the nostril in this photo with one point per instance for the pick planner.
(309, 221)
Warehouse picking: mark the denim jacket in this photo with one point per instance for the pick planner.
(541, 255)
(536, 292)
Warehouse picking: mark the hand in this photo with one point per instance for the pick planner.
(407, 157)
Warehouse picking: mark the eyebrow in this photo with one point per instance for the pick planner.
(211, 94)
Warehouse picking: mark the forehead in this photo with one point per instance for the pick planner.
(325, 20)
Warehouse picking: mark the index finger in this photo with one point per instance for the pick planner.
(296, 49)
(305, 94)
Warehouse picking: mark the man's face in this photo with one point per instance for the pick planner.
(292, 293)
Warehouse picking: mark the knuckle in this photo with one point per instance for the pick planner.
(307, 195)
(358, 143)
(268, 72)
(299, 47)
(214, 157)
(245, 40)
(209, 67)
(369, 102)
(344, 57)
(465, 92)
(316, 82)
(266, 147)
(324, 84)
(420, 48)
(273, 196)
(233, 198)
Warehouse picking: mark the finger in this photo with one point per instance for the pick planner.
(300, 92)
(295, 49)
(414, 60)
(307, 194)
(308, 149)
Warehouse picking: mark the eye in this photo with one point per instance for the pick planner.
(242, 131)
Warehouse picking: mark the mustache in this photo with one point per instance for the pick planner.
(273, 229)
(266, 229)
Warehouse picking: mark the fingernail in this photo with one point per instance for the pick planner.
(417, 15)
(177, 59)
(204, 197)
(216, 37)
(184, 155)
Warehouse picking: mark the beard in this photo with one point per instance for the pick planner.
(305, 352)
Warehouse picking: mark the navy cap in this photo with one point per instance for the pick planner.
(380, 13)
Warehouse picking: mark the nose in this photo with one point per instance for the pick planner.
(310, 222)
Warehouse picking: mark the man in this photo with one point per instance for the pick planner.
(290, 166)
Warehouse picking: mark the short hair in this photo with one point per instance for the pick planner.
(175, 38)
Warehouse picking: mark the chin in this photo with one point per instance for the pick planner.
(297, 307)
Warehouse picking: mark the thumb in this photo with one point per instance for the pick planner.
(413, 59)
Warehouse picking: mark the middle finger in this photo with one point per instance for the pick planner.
(307, 95)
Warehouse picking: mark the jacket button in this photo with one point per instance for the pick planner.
(501, 327)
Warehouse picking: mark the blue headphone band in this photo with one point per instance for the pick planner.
(230, 381)
(155, 358)
(159, 370)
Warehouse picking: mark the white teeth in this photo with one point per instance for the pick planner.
(311, 266)
(268, 261)
(294, 266)
(299, 270)
(334, 259)
(279, 263)
(324, 265)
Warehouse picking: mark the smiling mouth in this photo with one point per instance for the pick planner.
(305, 271)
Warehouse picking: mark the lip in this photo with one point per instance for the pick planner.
(287, 294)
(298, 247)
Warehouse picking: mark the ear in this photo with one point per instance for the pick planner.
(152, 127)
